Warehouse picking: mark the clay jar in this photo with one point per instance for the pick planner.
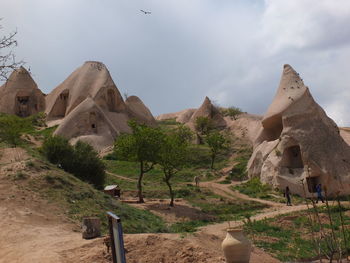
(236, 246)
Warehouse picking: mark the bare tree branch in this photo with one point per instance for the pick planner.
(8, 61)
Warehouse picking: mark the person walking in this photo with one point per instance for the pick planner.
(287, 196)
(319, 193)
(196, 180)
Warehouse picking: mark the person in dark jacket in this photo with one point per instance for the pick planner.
(319, 193)
(287, 196)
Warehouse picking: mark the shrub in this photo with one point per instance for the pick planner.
(81, 160)
(87, 165)
(57, 149)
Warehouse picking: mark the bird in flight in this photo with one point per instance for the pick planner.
(146, 12)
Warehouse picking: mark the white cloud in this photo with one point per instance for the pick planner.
(232, 51)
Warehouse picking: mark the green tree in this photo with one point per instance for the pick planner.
(173, 155)
(12, 127)
(232, 112)
(203, 126)
(217, 142)
(142, 146)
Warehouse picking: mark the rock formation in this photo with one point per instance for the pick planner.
(89, 107)
(182, 116)
(139, 111)
(299, 143)
(90, 80)
(20, 95)
(207, 109)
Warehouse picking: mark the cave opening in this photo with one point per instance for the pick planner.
(22, 109)
(291, 157)
(273, 128)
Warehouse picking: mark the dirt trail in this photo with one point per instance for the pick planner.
(121, 177)
(225, 191)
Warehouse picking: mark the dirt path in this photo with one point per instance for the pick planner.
(225, 191)
(121, 177)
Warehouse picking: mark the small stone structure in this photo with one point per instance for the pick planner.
(91, 227)
(20, 95)
(298, 142)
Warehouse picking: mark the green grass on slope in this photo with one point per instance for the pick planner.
(80, 199)
(254, 188)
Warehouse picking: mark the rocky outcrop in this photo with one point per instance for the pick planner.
(208, 110)
(88, 107)
(299, 144)
(20, 95)
(90, 80)
(137, 110)
(182, 116)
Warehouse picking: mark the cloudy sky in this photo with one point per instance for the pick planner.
(230, 50)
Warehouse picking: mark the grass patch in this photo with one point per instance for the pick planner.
(256, 189)
(80, 199)
(288, 237)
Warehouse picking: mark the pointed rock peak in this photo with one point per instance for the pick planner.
(207, 100)
(290, 90)
(20, 78)
(95, 65)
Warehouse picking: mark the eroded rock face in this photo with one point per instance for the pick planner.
(138, 110)
(92, 80)
(298, 143)
(88, 107)
(208, 110)
(20, 95)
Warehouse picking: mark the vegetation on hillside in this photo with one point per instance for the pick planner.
(232, 112)
(294, 237)
(81, 159)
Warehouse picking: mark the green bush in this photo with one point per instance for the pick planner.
(239, 171)
(81, 160)
(58, 150)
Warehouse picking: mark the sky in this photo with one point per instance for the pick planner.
(232, 51)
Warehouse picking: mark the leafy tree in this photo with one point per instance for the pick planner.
(203, 126)
(217, 142)
(7, 59)
(232, 112)
(184, 133)
(12, 127)
(142, 146)
(173, 155)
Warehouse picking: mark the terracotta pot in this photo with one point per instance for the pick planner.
(236, 246)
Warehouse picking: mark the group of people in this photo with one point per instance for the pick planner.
(318, 191)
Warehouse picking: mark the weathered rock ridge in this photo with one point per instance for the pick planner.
(298, 143)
